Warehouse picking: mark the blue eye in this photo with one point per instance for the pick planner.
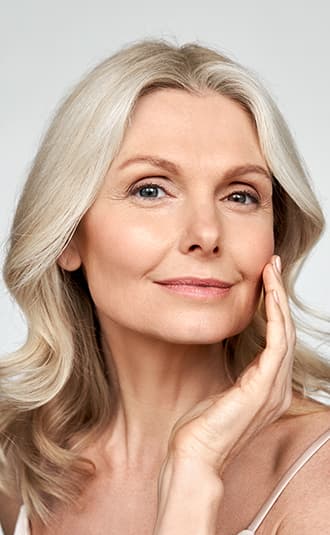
(243, 197)
(154, 191)
(147, 191)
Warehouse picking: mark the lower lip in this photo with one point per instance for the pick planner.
(196, 291)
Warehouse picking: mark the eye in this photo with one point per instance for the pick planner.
(243, 197)
(147, 191)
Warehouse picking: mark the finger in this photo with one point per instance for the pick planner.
(285, 371)
(273, 280)
(279, 349)
(273, 356)
(289, 323)
(269, 360)
(270, 373)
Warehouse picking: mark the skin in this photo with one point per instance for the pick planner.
(167, 347)
(175, 396)
(180, 419)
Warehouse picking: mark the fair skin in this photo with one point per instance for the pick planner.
(156, 241)
(125, 243)
(210, 216)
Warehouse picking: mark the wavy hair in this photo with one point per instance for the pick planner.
(56, 394)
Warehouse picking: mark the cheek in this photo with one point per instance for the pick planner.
(257, 253)
(252, 246)
(250, 257)
(250, 253)
(113, 248)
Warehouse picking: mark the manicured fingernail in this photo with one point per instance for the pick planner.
(278, 264)
(275, 294)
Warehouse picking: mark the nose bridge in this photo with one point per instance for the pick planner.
(202, 224)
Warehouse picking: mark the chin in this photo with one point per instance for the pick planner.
(196, 335)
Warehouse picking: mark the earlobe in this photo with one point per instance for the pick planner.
(70, 258)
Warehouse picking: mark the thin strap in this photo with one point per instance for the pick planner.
(299, 463)
(22, 526)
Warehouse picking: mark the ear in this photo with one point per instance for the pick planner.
(70, 258)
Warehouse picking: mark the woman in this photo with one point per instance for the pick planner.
(161, 389)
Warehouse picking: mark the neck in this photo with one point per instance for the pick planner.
(158, 383)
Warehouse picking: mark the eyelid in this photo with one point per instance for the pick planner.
(243, 187)
(147, 181)
(140, 184)
(254, 196)
(245, 184)
(237, 186)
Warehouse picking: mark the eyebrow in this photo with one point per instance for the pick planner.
(171, 167)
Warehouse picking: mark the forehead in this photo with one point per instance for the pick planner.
(208, 126)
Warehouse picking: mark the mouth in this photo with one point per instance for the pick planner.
(194, 281)
(196, 287)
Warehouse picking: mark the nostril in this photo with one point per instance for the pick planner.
(193, 247)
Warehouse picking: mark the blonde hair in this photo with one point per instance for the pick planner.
(56, 393)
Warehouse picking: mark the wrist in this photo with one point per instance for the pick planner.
(188, 499)
(187, 474)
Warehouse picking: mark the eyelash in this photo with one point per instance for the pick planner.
(135, 189)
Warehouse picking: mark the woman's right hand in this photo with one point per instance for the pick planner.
(217, 428)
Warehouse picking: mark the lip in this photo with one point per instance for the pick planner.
(196, 287)
(195, 281)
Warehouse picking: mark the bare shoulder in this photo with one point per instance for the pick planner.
(9, 509)
(306, 430)
(303, 507)
(254, 474)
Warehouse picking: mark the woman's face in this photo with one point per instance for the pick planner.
(189, 195)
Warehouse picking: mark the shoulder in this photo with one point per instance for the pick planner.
(303, 507)
(254, 474)
(9, 510)
(308, 497)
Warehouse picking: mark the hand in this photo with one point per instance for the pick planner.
(217, 428)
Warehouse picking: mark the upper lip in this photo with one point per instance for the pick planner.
(195, 281)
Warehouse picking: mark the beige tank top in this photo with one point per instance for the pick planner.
(22, 526)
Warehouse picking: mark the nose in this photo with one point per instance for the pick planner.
(201, 230)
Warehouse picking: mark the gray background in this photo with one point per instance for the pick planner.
(46, 46)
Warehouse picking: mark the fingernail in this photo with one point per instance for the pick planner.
(278, 264)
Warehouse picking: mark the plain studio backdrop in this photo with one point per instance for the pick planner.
(45, 47)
